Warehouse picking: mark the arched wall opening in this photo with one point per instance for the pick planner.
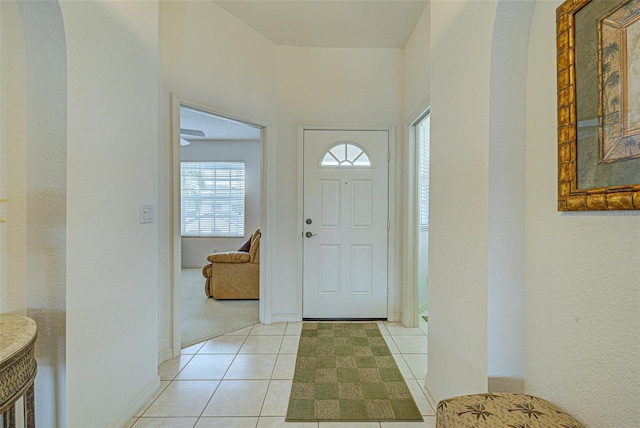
(506, 221)
(34, 99)
(476, 267)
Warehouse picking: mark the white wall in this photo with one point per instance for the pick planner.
(112, 260)
(461, 35)
(34, 180)
(417, 68)
(209, 57)
(581, 270)
(423, 270)
(196, 250)
(13, 155)
(46, 199)
(507, 132)
(80, 97)
(582, 273)
(336, 86)
(579, 311)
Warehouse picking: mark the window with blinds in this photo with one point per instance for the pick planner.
(422, 137)
(212, 197)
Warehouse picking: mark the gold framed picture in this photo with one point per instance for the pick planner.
(598, 58)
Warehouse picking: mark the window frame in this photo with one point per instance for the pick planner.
(423, 151)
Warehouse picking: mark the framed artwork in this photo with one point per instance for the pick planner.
(598, 57)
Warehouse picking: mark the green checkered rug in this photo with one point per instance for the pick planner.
(345, 372)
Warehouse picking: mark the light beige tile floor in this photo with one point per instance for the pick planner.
(243, 380)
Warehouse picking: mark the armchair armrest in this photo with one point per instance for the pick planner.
(229, 257)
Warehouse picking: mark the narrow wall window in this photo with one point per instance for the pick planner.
(212, 197)
(422, 137)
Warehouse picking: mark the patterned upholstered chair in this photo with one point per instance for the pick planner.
(501, 410)
(234, 274)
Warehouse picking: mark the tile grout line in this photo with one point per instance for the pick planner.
(271, 377)
(220, 381)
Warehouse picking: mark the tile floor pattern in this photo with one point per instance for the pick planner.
(243, 380)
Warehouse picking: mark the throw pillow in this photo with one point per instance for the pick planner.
(246, 246)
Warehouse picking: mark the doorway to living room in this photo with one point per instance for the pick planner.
(219, 192)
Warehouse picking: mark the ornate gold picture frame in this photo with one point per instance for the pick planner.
(598, 59)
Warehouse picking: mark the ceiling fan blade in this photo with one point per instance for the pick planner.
(193, 132)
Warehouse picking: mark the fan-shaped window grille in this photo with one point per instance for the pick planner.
(345, 154)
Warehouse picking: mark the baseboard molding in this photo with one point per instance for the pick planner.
(284, 318)
(130, 409)
(165, 355)
(432, 389)
(195, 266)
(430, 399)
(394, 317)
(506, 384)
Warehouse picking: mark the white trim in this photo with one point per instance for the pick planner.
(431, 388)
(165, 355)
(300, 228)
(285, 317)
(419, 112)
(267, 166)
(410, 264)
(175, 243)
(411, 229)
(391, 234)
(134, 405)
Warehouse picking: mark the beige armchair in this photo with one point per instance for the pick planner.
(234, 274)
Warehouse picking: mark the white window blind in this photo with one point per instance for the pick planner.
(212, 197)
(423, 153)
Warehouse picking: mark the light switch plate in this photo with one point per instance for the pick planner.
(146, 214)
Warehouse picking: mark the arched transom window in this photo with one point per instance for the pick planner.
(345, 154)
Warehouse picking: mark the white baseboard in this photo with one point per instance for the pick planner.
(165, 355)
(506, 384)
(284, 317)
(432, 389)
(130, 409)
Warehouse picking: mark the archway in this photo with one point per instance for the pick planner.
(34, 98)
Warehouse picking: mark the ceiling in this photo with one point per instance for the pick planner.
(330, 23)
(215, 127)
(310, 23)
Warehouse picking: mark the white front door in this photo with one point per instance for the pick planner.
(345, 224)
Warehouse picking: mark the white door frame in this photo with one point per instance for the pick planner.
(393, 231)
(411, 231)
(266, 215)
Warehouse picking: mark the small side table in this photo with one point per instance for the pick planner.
(17, 368)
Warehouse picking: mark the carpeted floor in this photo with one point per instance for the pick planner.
(203, 318)
(345, 372)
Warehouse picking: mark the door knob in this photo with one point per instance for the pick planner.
(309, 234)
